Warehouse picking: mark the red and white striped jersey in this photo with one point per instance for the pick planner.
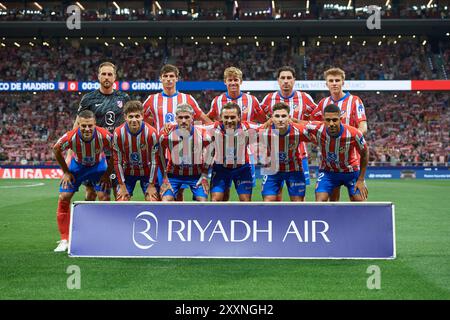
(136, 154)
(184, 151)
(232, 149)
(337, 154)
(352, 109)
(163, 107)
(250, 109)
(283, 148)
(301, 105)
(86, 153)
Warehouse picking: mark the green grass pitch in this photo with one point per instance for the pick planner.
(29, 269)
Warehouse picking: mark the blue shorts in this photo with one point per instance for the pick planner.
(306, 170)
(295, 181)
(223, 177)
(83, 173)
(178, 181)
(327, 181)
(160, 179)
(130, 183)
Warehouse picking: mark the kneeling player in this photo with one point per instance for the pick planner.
(88, 143)
(136, 155)
(343, 156)
(183, 144)
(281, 142)
(231, 148)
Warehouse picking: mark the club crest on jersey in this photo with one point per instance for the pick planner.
(331, 157)
(120, 104)
(170, 117)
(134, 156)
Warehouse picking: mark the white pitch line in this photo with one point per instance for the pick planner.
(23, 186)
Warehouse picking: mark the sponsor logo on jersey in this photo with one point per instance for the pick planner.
(331, 157)
(170, 117)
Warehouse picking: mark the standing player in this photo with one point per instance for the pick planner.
(301, 106)
(343, 156)
(159, 108)
(352, 108)
(249, 105)
(106, 103)
(281, 144)
(232, 138)
(88, 143)
(136, 154)
(183, 145)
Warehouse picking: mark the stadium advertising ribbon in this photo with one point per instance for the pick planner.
(233, 230)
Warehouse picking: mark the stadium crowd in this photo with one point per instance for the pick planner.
(405, 128)
(211, 12)
(407, 59)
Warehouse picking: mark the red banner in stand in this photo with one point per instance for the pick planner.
(430, 85)
(30, 173)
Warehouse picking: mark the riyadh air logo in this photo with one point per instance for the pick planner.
(145, 230)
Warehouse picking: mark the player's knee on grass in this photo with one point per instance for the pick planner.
(245, 197)
(168, 198)
(322, 196)
(270, 198)
(297, 198)
(217, 196)
(179, 196)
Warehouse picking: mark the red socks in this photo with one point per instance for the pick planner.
(63, 218)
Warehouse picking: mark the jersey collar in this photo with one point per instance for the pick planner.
(288, 97)
(240, 95)
(167, 96)
(277, 132)
(341, 99)
(340, 132)
(93, 135)
(137, 133)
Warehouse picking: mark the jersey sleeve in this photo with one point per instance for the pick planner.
(148, 113)
(213, 113)
(310, 106)
(265, 105)
(84, 104)
(360, 111)
(163, 145)
(154, 157)
(118, 159)
(360, 141)
(63, 142)
(197, 111)
(316, 114)
(258, 113)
